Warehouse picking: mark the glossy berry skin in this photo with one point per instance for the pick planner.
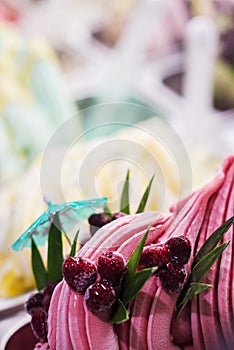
(118, 215)
(154, 255)
(179, 249)
(98, 220)
(33, 302)
(172, 278)
(111, 267)
(79, 273)
(39, 323)
(100, 297)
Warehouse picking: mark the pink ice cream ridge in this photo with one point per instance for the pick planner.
(207, 322)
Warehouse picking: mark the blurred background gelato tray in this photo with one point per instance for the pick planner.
(89, 89)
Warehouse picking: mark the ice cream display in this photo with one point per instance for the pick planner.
(145, 151)
(151, 268)
(207, 319)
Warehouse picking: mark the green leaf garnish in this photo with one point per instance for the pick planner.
(107, 210)
(53, 273)
(196, 275)
(124, 199)
(197, 288)
(213, 240)
(203, 266)
(133, 282)
(200, 287)
(145, 196)
(134, 285)
(121, 313)
(55, 251)
(74, 244)
(40, 273)
(193, 288)
(204, 259)
(135, 257)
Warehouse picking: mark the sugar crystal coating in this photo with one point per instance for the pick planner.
(79, 273)
(99, 297)
(39, 323)
(179, 249)
(154, 255)
(111, 267)
(34, 301)
(172, 278)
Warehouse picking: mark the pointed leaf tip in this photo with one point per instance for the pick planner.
(120, 314)
(38, 267)
(55, 251)
(74, 245)
(213, 240)
(143, 201)
(124, 199)
(134, 259)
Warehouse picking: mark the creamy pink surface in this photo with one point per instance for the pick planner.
(207, 322)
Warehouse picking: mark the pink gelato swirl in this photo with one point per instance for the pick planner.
(208, 320)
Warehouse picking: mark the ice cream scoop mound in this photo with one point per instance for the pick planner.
(206, 323)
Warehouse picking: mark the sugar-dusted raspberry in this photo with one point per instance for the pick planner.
(118, 215)
(79, 273)
(111, 267)
(98, 220)
(179, 249)
(172, 278)
(48, 290)
(33, 302)
(100, 297)
(154, 255)
(47, 294)
(39, 323)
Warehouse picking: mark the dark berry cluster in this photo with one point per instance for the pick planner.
(37, 306)
(99, 284)
(170, 259)
(101, 219)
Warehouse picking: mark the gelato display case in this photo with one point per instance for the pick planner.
(91, 90)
